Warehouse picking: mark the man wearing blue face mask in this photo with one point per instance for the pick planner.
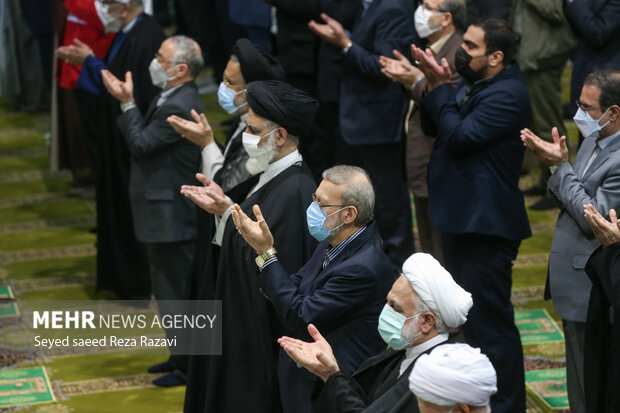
(341, 288)
(422, 305)
(594, 178)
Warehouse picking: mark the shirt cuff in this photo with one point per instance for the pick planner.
(212, 160)
(221, 226)
(268, 262)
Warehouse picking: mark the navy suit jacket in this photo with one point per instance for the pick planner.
(476, 162)
(597, 24)
(371, 105)
(343, 300)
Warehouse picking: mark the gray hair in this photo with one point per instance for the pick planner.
(135, 4)
(421, 307)
(609, 82)
(358, 192)
(458, 10)
(269, 124)
(188, 52)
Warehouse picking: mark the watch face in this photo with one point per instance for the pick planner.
(260, 261)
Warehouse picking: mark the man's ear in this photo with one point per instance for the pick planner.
(496, 58)
(281, 136)
(427, 322)
(446, 19)
(350, 214)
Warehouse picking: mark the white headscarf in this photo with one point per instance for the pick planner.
(452, 374)
(435, 286)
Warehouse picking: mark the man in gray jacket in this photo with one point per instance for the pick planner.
(162, 160)
(593, 179)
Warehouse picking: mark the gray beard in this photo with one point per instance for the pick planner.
(259, 164)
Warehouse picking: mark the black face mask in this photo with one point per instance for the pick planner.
(461, 62)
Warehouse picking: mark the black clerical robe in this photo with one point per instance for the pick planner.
(122, 265)
(375, 387)
(244, 378)
(602, 356)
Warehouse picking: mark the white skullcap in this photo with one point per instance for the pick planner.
(435, 286)
(452, 374)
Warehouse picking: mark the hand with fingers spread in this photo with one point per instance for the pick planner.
(400, 69)
(256, 233)
(607, 232)
(199, 131)
(436, 74)
(318, 357)
(75, 53)
(332, 31)
(549, 154)
(123, 91)
(209, 197)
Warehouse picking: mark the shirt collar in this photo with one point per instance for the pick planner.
(439, 44)
(332, 253)
(275, 168)
(603, 143)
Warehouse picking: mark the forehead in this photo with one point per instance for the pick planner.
(590, 95)
(402, 292)
(434, 4)
(329, 191)
(255, 121)
(474, 35)
(166, 49)
(232, 70)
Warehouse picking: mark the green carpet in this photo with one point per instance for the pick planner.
(47, 252)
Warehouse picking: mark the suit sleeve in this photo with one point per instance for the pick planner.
(343, 291)
(340, 394)
(596, 28)
(569, 190)
(393, 31)
(146, 140)
(495, 115)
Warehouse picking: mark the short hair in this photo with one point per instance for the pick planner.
(135, 4)
(608, 81)
(498, 36)
(269, 124)
(421, 307)
(188, 52)
(357, 193)
(458, 10)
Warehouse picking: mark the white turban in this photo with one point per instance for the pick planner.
(452, 374)
(435, 286)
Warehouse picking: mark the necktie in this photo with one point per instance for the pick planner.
(595, 153)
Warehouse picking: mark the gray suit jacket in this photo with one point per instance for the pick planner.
(162, 161)
(573, 240)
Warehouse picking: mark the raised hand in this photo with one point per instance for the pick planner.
(199, 131)
(123, 91)
(75, 53)
(209, 197)
(332, 31)
(548, 153)
(317, 357)
(400, 69)
(435, 73)
(256, 233)
(607, 232)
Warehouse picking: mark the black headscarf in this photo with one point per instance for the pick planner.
(255, 63)
(283, 104)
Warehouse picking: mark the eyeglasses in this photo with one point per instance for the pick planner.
(325, 206)
(586, 108)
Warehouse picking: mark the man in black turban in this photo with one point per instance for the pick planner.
(278, 115)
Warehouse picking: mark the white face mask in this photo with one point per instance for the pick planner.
(159, 75)
(421, 17)
(589, 127)
(110, 23)
(260, 157)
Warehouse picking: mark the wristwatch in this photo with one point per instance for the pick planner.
(347, 47)
(270, 253)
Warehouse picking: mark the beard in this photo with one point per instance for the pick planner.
(410, 331)
(258, 164)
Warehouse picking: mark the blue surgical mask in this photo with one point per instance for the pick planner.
(391, 323)
(226, 99)
(316, 219)
(588, 127)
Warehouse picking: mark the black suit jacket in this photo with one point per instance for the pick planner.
(162, 161)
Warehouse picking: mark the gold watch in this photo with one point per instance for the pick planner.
(270, 253)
